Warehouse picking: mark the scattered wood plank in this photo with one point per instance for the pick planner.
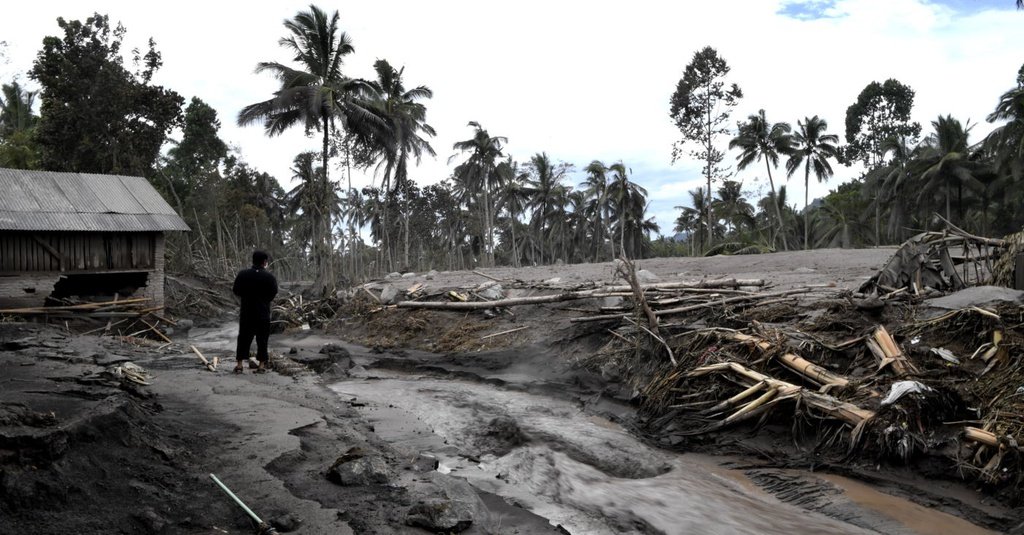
(510, 331)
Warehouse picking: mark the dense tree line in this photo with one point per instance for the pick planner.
(909, 182)
(100, 113)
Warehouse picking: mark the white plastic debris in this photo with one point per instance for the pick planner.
(946, 355)
(902, 388)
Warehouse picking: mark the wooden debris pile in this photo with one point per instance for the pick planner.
(934, 262)
(296, 311)
(129, 318)
(951, 386)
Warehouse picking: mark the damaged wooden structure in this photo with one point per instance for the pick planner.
(85, 236)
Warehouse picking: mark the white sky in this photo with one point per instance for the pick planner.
(579, 80)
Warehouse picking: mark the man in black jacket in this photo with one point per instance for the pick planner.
(257, 288)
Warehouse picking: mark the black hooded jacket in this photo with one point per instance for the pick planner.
(257, 288)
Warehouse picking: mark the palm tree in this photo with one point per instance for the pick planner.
(543, 191)
(732, 206)
(513, 198)
(813, 149)
(1006, 142)
(315, 95)
(476, 175)
(316, 199)
(16, 109)
(945, 163)
(758, 139)
(629, 202)
(697, 217)
(406, 120)
(595, 187)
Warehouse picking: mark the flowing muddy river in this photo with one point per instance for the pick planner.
(593, 477)
(585, 472)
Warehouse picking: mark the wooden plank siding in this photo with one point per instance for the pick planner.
(22, 252)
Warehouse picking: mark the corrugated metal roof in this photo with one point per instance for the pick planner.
(45, 200)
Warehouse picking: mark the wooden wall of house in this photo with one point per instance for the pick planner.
(22, 252)
(31, 263)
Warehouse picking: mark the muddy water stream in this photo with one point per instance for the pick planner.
(585, 472)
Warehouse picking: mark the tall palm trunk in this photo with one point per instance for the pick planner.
(325, 272)
(807, 204)
(778, 211)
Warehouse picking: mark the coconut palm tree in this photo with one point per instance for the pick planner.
(758, 139)
(595, 187)
(543, 190)
(476, 176)
(629, 204)
(513, 198)
(732, 206)
(945, 164)
(16, 109)
(315, 95)
(1006, 142)
(813, 149)
(405, 117)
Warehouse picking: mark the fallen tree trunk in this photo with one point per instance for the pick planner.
(709, 304)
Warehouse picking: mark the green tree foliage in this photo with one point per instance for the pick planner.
(96, 115)
(18, 149)
(700, 108)
(757, 138)
(881, 112)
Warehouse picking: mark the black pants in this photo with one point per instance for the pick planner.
(249, 328)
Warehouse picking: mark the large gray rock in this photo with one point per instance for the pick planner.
(444, 504)
(430, 275)
(408, 275)
(388, 294)
(393, 275)
(354, 469)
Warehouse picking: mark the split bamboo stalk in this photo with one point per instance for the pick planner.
(846, 412)
(795, 362)
(891, 352)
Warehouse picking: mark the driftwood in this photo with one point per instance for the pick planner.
(709, 304)
(209, 365)
(510, 331)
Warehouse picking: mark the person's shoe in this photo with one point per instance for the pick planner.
(262, 368)
(239, 368)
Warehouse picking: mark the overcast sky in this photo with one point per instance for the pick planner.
(579, 80)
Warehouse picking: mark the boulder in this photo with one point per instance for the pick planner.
(553, 280)
(393, 275)
(444, 504)
(430, 275)
(356, 469)
(388, 294)
(408, 275)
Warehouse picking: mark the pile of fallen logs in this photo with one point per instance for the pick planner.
(129, 318)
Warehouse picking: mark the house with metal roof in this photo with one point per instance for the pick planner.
(89, 236)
